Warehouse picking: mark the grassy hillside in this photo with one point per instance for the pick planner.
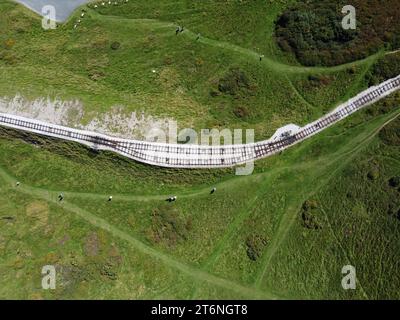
(248, 240)
(154, 71)
(285, 231)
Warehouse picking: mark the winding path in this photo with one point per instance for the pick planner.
(204, 156)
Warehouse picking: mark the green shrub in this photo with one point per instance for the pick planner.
(310, 205)
(386, 68)
(241, 112)
(9, 43)
(309, 215)
(312, 30)
(255, 244)
(108, 271)
(235, 83)
(394, 182)
(115, 45)
(373, 174)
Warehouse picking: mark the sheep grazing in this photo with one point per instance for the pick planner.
(103, 4)
(171, 199)
(82, 15)
(75, 26)
(95, 6)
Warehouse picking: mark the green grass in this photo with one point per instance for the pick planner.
(197, 247)
(70, 64)
(356, 229)
(213, 254)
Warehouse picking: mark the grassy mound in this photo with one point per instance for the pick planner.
(128, 55)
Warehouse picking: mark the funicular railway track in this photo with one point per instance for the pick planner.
(200, 156)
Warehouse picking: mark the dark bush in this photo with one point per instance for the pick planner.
(115, 45)
(214, 93)
(394, 182)
(235, 83)
(319, 80)
(108, 270)
(308, 215)
(241, 112)
(255, 244)
(386, 68)
(373, 174)
(310, 221)
(392, 209)
(309, 205)
(312, 30)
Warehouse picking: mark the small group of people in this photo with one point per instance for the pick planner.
(83, 13)
(104, 3)
(170, 199)
(173, 198)
(178, 30)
